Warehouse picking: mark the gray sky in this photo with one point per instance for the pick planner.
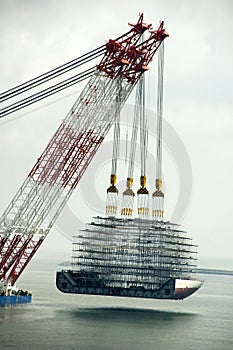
(39, 35)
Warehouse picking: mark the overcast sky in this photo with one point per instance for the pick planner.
(40, 35)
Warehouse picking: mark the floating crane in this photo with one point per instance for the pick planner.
(31, 214)
(133, 256)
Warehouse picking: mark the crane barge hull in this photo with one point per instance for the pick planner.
(15, 299)
(12, 295)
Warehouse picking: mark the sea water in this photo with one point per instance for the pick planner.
(63, 321)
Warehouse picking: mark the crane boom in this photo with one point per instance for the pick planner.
(39, 201)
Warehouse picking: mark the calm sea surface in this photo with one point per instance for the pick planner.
(59, 321)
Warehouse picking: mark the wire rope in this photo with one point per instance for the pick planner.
(116, 140)
(47, 92)
(51, 74)
(160, 111)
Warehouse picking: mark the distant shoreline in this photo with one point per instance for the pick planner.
(206, 271)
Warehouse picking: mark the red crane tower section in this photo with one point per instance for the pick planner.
(35, 207)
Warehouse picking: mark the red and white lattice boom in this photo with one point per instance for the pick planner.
(35, 207)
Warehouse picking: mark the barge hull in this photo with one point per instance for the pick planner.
(174, 289)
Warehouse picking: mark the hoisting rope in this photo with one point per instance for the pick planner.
(143, 129)
(128, 194)
(158, 195)
(133, 142)
(143, 199)
(112, 191)
(116, 139)
(160, 110)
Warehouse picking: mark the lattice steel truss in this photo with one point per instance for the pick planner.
(126, 253)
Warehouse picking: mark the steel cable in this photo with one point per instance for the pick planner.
(160, 111)
(52, 74)
(47, 92)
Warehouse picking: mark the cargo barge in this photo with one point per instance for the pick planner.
(131, 258)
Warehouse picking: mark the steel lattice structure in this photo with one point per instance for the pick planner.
(132, 252)
(35, 207)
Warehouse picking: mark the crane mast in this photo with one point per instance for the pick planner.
(37, 204)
